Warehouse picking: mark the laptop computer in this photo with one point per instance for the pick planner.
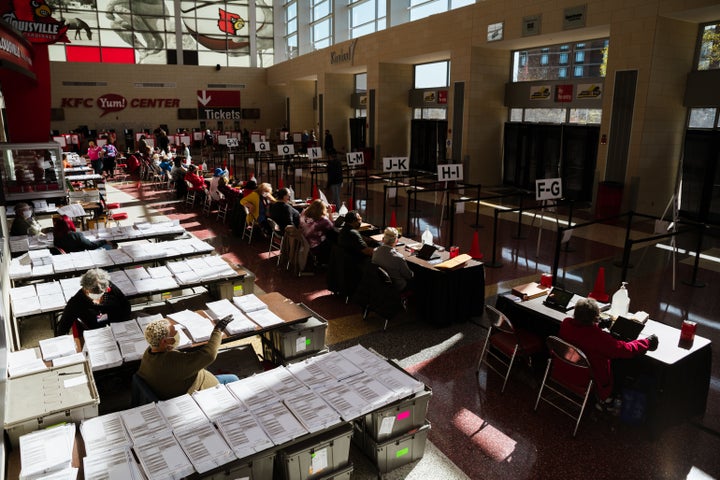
(625, 329)
(559, 299)
(427, 252)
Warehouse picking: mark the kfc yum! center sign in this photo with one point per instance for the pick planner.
(112, 102)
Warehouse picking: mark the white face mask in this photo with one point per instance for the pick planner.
(27, 213)
(176, 340)
(95, 296)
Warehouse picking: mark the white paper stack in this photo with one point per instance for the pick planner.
(64, 474)
(104, 433)
(19, 270)
(144, 423)
(22, 362)
(240, 323)
(344, 399)
(249, 303)
(311, 373)
(144, 320)
(69, 359)
(399, 381)
(63, 263)
(181, 412)
(19, 243)
(123, 282)
(40, 257)
(51, 296)
(102, 349)
(253, 392)
(24, 301)
(243, 433)
(204, 446)
(312, 411)
(130, 339)
(217, 401)
(118, 256)
(283, 383)
(70, 286)
(142, 251)
(111, 465)
(373, 392)
(338, 366)
(362, 357)
(279, 423)
(100, 257)
(162, 458)
(196, 325)
(264, 318)
(55, 347)
(48, 450)
(82, 260)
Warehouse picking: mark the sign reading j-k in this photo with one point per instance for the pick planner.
(548, 189)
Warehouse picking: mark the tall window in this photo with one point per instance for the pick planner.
(430, 75)
(367, 16)
(291, 21)
(709, 54)
(424, 8)
(321, 23)
(585, 60)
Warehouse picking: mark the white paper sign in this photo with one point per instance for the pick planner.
(262, 146)
(396, 164)
(272, 166)
(386, 425)
(548, 188)
(300, 344)
(450, 173)
(314, 153)
(298, 172)
(319, 461)
(285, 149)
(251, 161)
(233, 142)
(355, 159)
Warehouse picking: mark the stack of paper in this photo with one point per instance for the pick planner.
(63, 263)
(24, 301)
(217, 401)
(279, 423)
(69, 359)
(182, 411)
(249, 303)
(48, 450)
(130, 339)
(51, 296)
(70, 286)
(19, 270)
(312, 411)
(344, 399)
(338, 366)
(22, 362)
(239, 324)
(264, 318)
(362, 357)
(82, 260)
(102, 350)
(144, 423)
(123, 282)
(374, 393)
(253, 392)
(40, 257)
(283, 383)
(104, 433)
(196, 325)
(243, 433)
(185, 341)
(111, 465)
(399, 381)
(311, 373)
(100, 257)
(162, 458)
(19, 243)
(64, 474)
(118, 256)
(204, 446)
(55, 347)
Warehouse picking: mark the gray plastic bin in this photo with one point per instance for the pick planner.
(397, 418)
(395, 452)
(317, 456)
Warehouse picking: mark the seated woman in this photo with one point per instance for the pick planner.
(258, 203)
(67, 238)
(171, 373)
(196, 182)
(318, 230)
(25, 222)
(177, 175)
(97, 303)
(219, 179)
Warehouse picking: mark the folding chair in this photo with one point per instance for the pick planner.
(248, 230)
(207, 204)
(376, 293)
(276, 238)
(223, 209)
(113, 215)
(569, 377)
(190, 196)
(504, 343)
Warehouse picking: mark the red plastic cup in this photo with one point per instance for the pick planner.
(454, 252)
(546, 280)
(687, 331)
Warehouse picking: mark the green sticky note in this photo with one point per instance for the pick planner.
(307, 342)
(402, 452)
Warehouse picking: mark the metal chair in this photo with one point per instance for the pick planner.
(376, 293)
(207, 205)
(504, 343)
(276, 238)
(249, 228)
(190, 196)
(569, 377)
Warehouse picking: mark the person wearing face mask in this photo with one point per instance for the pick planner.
(169, 372)
(97, 303)
(25, 222)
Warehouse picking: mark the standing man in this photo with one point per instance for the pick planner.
(329, 144)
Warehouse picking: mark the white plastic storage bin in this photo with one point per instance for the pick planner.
(395, 452)
(42, 399)
(317, 456)
(397, 418)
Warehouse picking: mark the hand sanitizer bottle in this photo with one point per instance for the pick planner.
(620, 302)
(343, 209)
(427, 237)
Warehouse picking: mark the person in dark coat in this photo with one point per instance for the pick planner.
(66, 237)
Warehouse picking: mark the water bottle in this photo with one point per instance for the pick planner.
(204, 166)
(292, 193)
(427, 237)
(620, 302)
(343, 209)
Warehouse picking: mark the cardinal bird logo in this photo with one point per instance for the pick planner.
(230, 23)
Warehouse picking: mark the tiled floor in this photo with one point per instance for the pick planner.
(476, 431)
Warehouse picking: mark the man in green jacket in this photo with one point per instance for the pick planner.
(171, 373)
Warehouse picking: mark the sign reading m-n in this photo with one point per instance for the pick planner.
(219, 105)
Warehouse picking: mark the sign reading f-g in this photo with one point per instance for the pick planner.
(548, 189)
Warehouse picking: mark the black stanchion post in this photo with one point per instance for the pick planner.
(627, 237)
(556, 260)
(384, 204)
(494, 263)
(477, 210)
(570, 212)
(696, 265)
(407, 221)
(519, 234)
(452, 222)
(626, 258)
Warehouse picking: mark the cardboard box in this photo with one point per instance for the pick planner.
(61, 394)
(397, 418)
(317, 456)
(395, 452)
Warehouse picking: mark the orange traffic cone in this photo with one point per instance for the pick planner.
(281, 184)
(315, 193)
(475, 249)
(393, 220)
(598, 292)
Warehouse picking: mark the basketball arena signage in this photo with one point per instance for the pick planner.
(112, 102)
(343, 56)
